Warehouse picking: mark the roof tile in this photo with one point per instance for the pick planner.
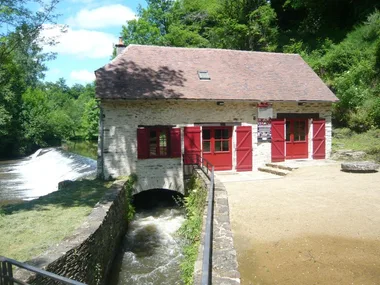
(153, 72)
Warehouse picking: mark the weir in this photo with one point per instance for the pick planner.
(40, 173)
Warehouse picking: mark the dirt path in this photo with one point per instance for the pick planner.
(318, 225)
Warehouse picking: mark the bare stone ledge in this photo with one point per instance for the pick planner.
(360, 166)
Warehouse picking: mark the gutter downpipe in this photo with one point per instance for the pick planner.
(101, 144)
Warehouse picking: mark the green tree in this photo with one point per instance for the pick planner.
(90, 120)
(21, 64)
(152, 24)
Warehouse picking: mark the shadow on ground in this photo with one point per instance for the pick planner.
(76, 194)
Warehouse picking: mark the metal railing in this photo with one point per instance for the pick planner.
(208, 170)
(6, 273)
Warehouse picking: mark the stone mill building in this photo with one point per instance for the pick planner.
(238, 109)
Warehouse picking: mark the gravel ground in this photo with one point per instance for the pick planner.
(317, 225)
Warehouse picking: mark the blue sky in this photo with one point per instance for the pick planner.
(93, 27)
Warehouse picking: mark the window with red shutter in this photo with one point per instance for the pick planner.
(158, 142)
(142, 143)
(175, 142)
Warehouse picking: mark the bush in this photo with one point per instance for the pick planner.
(342, 133)
(129, 185)
(191, 229)
(360, 120)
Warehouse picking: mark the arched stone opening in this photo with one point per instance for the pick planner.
(153, 198)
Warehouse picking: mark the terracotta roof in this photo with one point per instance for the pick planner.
(152, 72)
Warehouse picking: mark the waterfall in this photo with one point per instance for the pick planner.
(39, 174)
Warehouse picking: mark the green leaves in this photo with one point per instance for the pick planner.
(54, 112)
(263, 30)
(350, 69)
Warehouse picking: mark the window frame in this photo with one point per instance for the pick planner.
(221, 140)
(158, 131)
(213, 140)
(145, 143)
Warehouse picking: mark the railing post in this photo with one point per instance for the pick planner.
(207, 250)
(10, 273)
(1, 273)
(6, 274)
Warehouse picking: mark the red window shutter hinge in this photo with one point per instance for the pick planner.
(175, 142)
(142, 143)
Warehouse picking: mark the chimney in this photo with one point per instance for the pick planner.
(120, 46)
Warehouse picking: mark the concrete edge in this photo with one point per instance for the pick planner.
(224, 259)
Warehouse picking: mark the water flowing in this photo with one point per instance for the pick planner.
(39, 174)
(152, 249)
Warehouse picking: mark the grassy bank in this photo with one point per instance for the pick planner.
(368, 142)
(29, 228)
(191, 229)
(84, 148)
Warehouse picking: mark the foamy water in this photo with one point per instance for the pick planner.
(152, 250)
(40, 173)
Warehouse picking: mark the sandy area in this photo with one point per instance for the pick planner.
(317, 225)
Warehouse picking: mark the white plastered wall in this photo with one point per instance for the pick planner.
(122, 118)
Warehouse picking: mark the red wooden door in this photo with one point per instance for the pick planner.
(296, 138)
(319, 139)
(192, 143)
(278, 139)
(244, 148)
(217, 146)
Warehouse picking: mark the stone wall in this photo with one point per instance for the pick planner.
(87, 255)
(224, 260)
(122, 118)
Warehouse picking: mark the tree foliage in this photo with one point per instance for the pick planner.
(54, 111)
(35, 114)
(340, 39)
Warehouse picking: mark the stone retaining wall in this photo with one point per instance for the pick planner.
(224, 261)
(87, 255)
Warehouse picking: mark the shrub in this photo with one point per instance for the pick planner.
(191, 229)
(342, 133)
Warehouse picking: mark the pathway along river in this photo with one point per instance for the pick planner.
(151, 250)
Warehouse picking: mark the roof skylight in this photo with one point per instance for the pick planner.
(203, 75)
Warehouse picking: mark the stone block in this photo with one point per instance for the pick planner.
(360, 166)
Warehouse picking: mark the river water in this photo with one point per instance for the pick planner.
(151, 251)
(39, 174)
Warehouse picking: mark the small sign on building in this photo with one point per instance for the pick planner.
(265, 114)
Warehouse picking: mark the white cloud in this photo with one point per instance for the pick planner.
(82, 75)
(106, 16)
(81, 43)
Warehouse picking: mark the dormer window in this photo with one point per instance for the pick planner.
(203, 75)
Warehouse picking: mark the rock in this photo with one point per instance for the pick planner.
(360, 166)
(348, 154)
(64, 184)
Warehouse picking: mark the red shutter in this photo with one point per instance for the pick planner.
(278, 140)
(142, 143)
(319, 139)
(244, 148)
(175, 142)
(192, 142)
